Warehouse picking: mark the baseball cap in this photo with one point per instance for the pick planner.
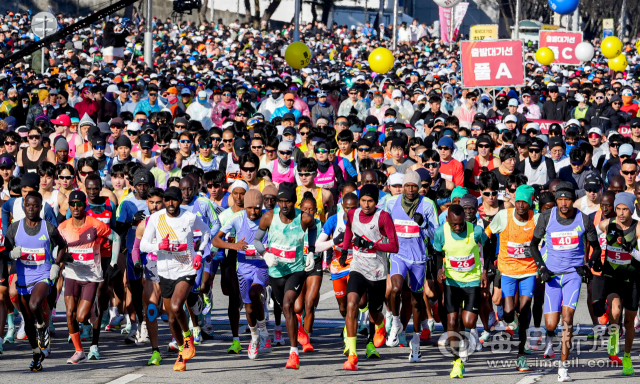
(625, 150)
(134, 126)
(62, 120)
(513, 103)
(98, 140)
(240, 147)
(146, 142)
(595, 130)
(445, 141)
(288, 116)
(510, 118)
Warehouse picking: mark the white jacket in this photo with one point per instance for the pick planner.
(201, 113)
(269, 105)
(404, 111)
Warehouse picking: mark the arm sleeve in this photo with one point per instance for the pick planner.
(323, 243)
(388, 230)
(535, 251)
(205, 243)
(258, 239)
(313, 236)
(348, 234)
(431, 217)
(6, 215)
(146, 244)
(135, 252)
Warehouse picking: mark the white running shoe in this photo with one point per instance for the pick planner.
(277, 338)
(78, 357)
(476, 340)
(253, 348)
(143, 333)
(464, 352)
(173, 346)
(636, 324)
(22, 335)
(415, 355)
(363, 320)
(264, 342)
(114, 323)
(393, 340)
(269, 291)
(388, 320)
(549, 353)
(431, 323)
(493, 320)
(563, 375)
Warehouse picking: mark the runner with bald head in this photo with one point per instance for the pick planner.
(617, 184)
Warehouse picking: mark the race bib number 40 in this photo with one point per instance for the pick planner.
(406, 228)
(284, 253)
(32, 256)
(462, 263)
(562, 241)
(516, 250)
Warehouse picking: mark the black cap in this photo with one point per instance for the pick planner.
(390, 112)
(289, 131)
(122, 141)
(371, 120)
(523, 140)
(77, 195)
(372, 137)
(104, 128)
(98, 140)
(173, 193)
(93, 130)
(30, 180)
(240, 147)
(146, 142)
(287, 191)
(635, 122)
(553, 89)
(117, 121)
(288, 116)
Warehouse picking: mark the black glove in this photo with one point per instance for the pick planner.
(596, 264)
(67, 258)
(418, 218)
(353, 111)
(527, 252)
(525, 110)
(362, 243)
(138, 217)
(545, 275)
(225, 113)
(584, 271)
(338, 239)
(343, 258)
(138, 268)
(113, 272)
(491, 271)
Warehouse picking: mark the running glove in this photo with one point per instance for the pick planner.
(310, 262)
(197, 262)
(596, 264)
(343, 257)
(338, 239)
(138, 268)
(15, 253)
(270, 259)
(225, 113)
(545, 275)
(53, 273)
(113, 272)
(138, 217)
(418, 218)
(362, 243)
(164, 244)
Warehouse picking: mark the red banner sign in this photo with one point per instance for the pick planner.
(563, 45)
(495, 63)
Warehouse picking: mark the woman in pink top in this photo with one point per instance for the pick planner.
(283, 168)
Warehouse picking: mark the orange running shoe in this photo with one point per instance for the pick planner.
(351, 364)
(604, 319)
(615, 360)
(380, 337)
(188, 349)
(307, 347)
(425, 335)
(303, 336)
(181, 364)
(293, 362)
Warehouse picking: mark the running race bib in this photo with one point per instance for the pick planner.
(1, 239)
(178, 249)
(462, 263)
(563, 241)
(618, 256)
(82, 256)
(446, 177)
(32, 256)
(284, 253)
(516, 250)
(250, 253)
(407, 228)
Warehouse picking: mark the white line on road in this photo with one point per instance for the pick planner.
(530, 379)
(327, 295)
(125, 379)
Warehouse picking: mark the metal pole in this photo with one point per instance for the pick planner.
(296, 22)
(44, 35)
(516, 32)
(451, 22)
(212, 11)
(380, 16)
(576, 20)
(395, 25)
(148, 36)
(365, 11)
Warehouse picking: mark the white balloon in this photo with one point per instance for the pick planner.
(447, 3)
(584, 51)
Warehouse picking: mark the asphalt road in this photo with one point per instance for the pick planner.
(123, 364)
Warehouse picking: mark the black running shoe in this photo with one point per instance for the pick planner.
(43, 337)
(36, 364)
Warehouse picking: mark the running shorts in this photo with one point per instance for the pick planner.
(247, 276)
(290, 282)
(603, 286)
(523, 285)
(562, 291)
(454, 297)
(84, 290)
(151, 271)
(375, 290)
(416, 272)
(167, 286)
(340, 286)
(317, 267)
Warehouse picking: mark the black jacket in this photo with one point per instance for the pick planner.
(604, 116)
(556, 110)
(427, 115)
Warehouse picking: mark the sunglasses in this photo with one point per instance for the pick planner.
(432, 165)
(511, 190)
(10, 143)
(443, 148)
(270, 151)
(592, 190)
(77, 204)
(483, 146)
(240, 115)
(576, 163)
(181, 126)
(256, 147)
(116, 127)
(227, 140)
(84, 174)
(214, 185)
(141, 121)
(285, 153)
(153, 94)
(599, 97)
(594, 136)
(624, 156)
(133, 133)
(492, 193)
(216, 138)
(100, 147)
(163, 145)
(205, 146)
(65, 177)
(628, 172)
(248, 169)
(305, 174)
(305, 133)
(226, 94)
(35, 137)
(341, 124)
(185, 141)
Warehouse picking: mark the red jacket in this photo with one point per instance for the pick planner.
(88, 106)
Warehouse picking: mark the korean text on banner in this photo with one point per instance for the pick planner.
(563, 45)
(483, 31)
(492, 63)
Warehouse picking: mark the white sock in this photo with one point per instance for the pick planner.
(128, 318)
(262, 325)
(293, 350)
(113, 312)
(431, 323)
(416, 337)
(254, 332)
(36, 350)
(396, 321)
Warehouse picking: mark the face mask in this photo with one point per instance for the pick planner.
(275, 95)
(172, 98)
(13, 98)
(25, 105)
(501, 103)
(389, 119)
(571, 93)
(311, 103)
(472, 154)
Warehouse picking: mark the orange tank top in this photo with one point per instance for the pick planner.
(513, 240)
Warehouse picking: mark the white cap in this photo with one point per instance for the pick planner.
(395, 179)
(595, 130)
(532, 125)
(396, 93)
(573, 122)
(579, 98)
(133, 126)
(113, 89)
(510, 118)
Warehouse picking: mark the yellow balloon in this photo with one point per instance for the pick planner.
(618, 63)
(381, 60)
(611, 47)
(297, 55)
(545, 56)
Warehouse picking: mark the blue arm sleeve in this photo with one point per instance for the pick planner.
(50, 215)
(6, 215)
(330, 225)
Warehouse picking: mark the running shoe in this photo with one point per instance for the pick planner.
(615, 360)
(499, 313)
(363, 320)
(425, 335)
(307, 347)
(613, 343)
(208, 302)
(443, 341)
(235, 347)
(143, 333)
(265, 342)
(103, 323)
(126, 329)
(402, 339)
(36, 364)
(521, 364)
(269, 296)
(277, 337)
(415, 355)
(1, 349)
(265, 301)
(188, 349)
(86, 332)
(512, 328)
(22, 335)
(197, 337)
(485, 337)
(627, 367)
(431, 323)
(254, 346)
(303, 336)
(293, 362)
(636, 324)
(604, 319)
(380, 337)
(43, 337)
(77, 358)
(475, 342)
(164, 317)
(199, 305)
(563, 375)
(180, 364)
(371, 351)
(549, 353)
(351, 364)
(173, 346)
(155, 359)
(464, 351)
(52, 328)
(458, 369)
(46, 352)
(114, 323)
(207, 328)
(131, 338)
(533, 343)
(388, 321)
(10, 336)
(94, 353)
(393, 339)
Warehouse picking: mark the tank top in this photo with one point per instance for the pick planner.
(511, 259)
(477, 170)
(619, 259)
(338, 271)
(603, 241)
(30, 166)
(233, 170)
(286, 242)
(287, 177)
(372, 264)
(411, 237)
(72, 145)
(537, 176)
(462, 257)
(102, 212)
(249, 255)
(319, 202)
(584, 207)
(36, 257)
(53, 201)
(326, 179)
(565, 243)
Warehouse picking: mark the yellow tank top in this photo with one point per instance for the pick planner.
(319, 203)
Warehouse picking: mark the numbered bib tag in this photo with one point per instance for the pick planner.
(250, 253)
(1, 239)
(83, 256)
(32, 256)
(284, 253)
(178, 249)
(462, 263)
(618, 256)
(516, 250)
(563, 241)
(406, 228)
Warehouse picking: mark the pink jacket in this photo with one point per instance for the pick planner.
(301, 106)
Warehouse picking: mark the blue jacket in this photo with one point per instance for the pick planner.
(279, 112)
